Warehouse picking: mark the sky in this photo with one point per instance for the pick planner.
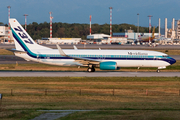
(78, 11)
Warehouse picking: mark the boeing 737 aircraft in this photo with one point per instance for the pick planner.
(146, 38)
(104, 59)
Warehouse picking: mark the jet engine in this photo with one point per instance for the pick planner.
(109, 65)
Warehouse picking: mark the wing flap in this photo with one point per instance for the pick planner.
(86, 62)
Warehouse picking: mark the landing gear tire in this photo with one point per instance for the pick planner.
(157, 70)
(91, 69)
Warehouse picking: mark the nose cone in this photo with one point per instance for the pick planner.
(171, 60)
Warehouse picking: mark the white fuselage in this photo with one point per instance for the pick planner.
(123, 58)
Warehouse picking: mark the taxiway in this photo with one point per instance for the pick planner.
(86, 74)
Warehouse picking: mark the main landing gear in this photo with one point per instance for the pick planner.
(157, 70)
(91, 69)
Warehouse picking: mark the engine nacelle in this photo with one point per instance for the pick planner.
(109, 65)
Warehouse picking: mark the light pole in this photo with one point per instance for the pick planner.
(159, 27)
(149, 26)
(138, 25)
(50, 24)
(9, 7)
(110, 22)
(25, 21)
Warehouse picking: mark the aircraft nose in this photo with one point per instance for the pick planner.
(172, 61)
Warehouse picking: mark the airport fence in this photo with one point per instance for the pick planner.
(90, 92)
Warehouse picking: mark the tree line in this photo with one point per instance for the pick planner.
(75, 30)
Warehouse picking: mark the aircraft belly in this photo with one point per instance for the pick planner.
(24, 56)
(60, 62)
(141, 63)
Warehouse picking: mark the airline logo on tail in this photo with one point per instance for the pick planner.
(23, 42)
(23, 35)
(22, 39)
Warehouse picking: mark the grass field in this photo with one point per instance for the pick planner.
(170, 52)
(5, 52)
(113, 97)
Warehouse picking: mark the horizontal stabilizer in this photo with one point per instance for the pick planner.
(14, 50)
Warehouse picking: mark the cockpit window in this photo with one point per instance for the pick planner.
(165, 56)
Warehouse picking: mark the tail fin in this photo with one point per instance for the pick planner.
(153, 31)
(23, 42)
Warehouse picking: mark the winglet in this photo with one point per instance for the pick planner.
(61, 52)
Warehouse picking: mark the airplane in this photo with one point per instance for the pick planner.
(104, 59)
(145, 38)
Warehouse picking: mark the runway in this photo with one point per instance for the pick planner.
(12, 59)
(86, 74)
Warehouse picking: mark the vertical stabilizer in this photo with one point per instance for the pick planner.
(23, 41)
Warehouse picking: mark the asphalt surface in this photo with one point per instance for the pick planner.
(51, 116)
(104, 46)
(86, 74)
(12, 59)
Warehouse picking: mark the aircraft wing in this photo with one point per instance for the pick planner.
(84, 61)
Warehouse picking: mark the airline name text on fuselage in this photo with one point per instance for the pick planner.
(137, 53)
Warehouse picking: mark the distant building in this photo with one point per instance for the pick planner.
(130, 34)
(105, 39)
(59, 40)
(4, 35)
(178, 30)
(171, 34)
(98, 38)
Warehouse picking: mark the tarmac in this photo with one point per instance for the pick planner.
(56, 115)
(104, 46)
(87, 74)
